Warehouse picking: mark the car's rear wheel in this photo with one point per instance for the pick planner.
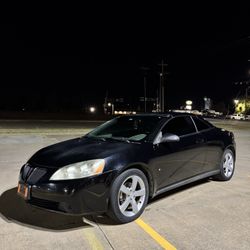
(227, 166)
(129, 196)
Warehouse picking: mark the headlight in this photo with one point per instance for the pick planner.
(79, 170)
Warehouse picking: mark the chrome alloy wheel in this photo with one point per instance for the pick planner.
(131, 195)
(228, 164)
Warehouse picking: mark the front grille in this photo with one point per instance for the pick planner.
(37, 174)
(27, 170)
(44, 203)
(32, 174)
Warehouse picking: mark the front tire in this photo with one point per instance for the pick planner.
(128, 196)
(227, 166)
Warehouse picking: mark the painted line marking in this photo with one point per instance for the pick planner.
(92, 239)
(98, 244)
(157, 237)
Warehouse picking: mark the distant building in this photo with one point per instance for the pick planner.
(129, 105)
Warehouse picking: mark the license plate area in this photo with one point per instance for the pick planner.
(23, 190)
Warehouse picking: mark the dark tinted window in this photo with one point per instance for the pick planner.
(127, 127)
(200, 124)
(179, 126)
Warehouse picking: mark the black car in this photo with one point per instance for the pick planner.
(120, 165)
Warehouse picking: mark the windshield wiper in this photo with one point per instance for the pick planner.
(123, 139)
(96, 138)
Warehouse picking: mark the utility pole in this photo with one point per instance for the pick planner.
(248, 87)
(246, 92)
(159, 94)
(163, 74)
(105, 102)
(145, 94)
(246, 100)
(145, 70)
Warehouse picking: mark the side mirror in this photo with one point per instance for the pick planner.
(169, 138)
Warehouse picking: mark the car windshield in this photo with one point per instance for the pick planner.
(127, 128)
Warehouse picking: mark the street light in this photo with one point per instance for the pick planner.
(92, 109)
(236, 101)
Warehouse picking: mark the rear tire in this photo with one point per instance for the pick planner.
(227, 166)
(128, 196)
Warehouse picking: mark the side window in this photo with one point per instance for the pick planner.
(200, 124)
(182, 125)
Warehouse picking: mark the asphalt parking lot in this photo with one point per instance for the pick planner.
(205, 215)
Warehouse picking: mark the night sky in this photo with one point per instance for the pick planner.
(73, 62)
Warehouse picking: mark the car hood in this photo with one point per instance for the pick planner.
(76, 150)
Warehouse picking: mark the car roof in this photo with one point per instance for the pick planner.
(163, 115)
(168, 115)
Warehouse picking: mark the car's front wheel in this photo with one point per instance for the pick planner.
(128, 196)
(227, 166)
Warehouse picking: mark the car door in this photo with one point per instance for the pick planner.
(176, 161)
(213, 147)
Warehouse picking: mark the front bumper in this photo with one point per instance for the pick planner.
(82, 196)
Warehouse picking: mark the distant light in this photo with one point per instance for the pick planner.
(92, 109)
(188, 107)
(109, 104)
(236, 101)
(122, 112)
(188, 102)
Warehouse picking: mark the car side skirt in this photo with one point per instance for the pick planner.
(187, 181)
